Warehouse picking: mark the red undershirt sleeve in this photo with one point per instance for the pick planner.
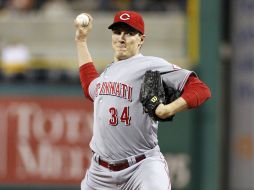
(87, 73)
(195, 92)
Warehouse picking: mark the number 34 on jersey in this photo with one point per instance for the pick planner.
(117, 116)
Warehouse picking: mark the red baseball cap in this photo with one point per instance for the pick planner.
(131, 18)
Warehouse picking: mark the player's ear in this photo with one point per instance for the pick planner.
(142, 39)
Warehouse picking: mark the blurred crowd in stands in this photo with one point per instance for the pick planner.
(16, 66)
(93, 5)
(15, 56)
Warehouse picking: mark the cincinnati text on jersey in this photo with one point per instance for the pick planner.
(114, 89)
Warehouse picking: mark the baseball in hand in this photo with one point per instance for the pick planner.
(82, 20)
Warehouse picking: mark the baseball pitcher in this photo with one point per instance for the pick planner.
(130, 97)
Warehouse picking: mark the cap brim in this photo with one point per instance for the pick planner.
(117, 23)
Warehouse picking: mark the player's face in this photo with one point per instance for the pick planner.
(126, 42)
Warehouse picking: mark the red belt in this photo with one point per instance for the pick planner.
(121, 165)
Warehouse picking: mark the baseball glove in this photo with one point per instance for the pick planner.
(154, 92)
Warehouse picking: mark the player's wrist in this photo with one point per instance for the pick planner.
(176, 106)
(81, 41)
(81, 37)
(163, 111)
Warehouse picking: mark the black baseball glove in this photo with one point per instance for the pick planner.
(154, 92)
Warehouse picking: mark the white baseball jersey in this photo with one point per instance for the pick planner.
(121, 128)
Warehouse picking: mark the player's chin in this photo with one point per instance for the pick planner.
(122, 55)
(121, 51)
